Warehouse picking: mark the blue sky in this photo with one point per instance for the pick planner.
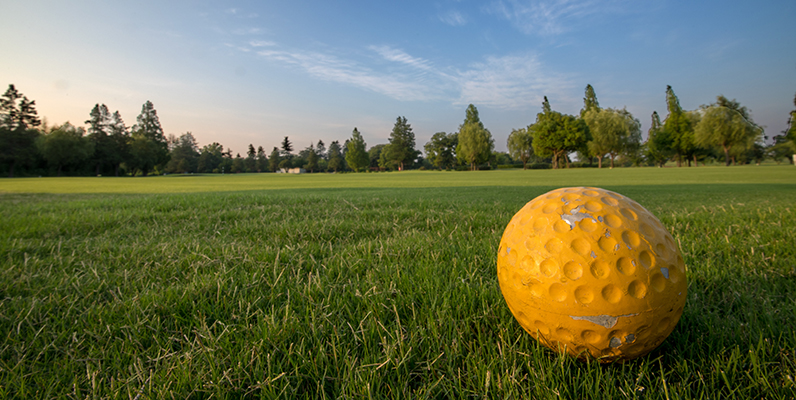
(254, 72)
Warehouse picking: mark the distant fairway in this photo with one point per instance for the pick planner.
(410, 179)
(368, 286)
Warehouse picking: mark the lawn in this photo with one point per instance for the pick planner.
(368, 286)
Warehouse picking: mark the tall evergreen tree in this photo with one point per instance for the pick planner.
(120, 142)
(475, 142)
(251, 159)
(287, 148)
(98, 133)
(589, 101)
(320, 149)
(659, 145)
(18, 118)
(356, 157)
(262, 159)
(274, 160)
(401, 150)
(149, 148)
(15, 116)
(679, 126)
(336, 160)
(312, 160)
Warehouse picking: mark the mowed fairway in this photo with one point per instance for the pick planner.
(368, 286)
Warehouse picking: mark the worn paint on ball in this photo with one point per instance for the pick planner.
(590, 272)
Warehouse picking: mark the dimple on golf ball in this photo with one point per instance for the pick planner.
(590, 272)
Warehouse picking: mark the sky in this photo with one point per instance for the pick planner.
(242, 72)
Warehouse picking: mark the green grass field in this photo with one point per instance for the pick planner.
(368, 286)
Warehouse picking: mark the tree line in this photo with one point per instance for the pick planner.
(721, 131)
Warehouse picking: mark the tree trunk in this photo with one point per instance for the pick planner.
(696, 164)
(612, 161)
(679, 160)
(599, 162)
(726, 156)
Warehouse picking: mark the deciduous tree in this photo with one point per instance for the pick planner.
(727, 124)
(184, 156)
(441, 150)
(65, 145)
(520, 144)
(556, 135)
(210, 158)
(613, 132)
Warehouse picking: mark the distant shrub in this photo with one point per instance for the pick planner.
(540, 166)
(583, 165)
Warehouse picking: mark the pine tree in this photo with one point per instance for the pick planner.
(475, 142)
(99, 127)
(274, 160)
(356, 157)
(149, 148)
(17, 138)
(287, 148)
(120, 142)
(679, 126)
(589, 101)
(401, 150)
(262, 159)
(320, 149)
(336, 161)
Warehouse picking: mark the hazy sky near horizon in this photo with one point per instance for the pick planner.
(243, 72)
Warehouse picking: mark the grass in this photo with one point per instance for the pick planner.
(367, 286)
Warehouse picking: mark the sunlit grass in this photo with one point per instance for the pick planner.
(383, 286)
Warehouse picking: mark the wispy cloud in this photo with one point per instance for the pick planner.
(331, 68)
(551, 17)
(453, 18)
(399, 56)
(508, 82)
(261, 43)
(247, 31)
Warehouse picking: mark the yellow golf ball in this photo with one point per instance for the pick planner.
(590, 272)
